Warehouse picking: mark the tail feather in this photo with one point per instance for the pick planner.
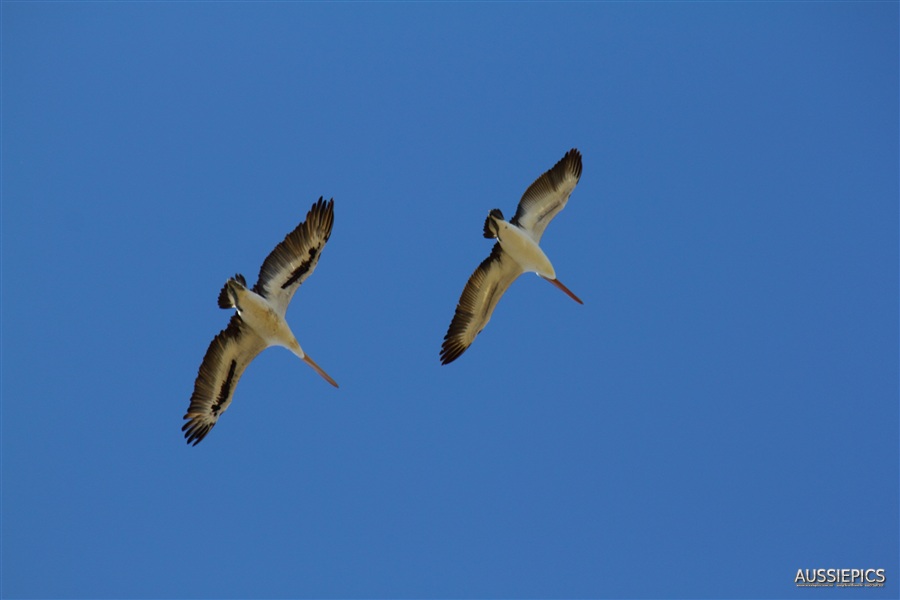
(226, 298)
(491, 229)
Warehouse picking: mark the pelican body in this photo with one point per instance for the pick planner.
(520, 244)
(259, 321)
(265, 320)
(517, 251)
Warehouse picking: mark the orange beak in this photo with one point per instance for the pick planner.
(560, 285)
(325, 376)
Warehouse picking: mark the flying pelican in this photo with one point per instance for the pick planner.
(516, 252)
(259, 322)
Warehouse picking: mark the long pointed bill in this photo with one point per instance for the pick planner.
(319, 370)
(559, 284)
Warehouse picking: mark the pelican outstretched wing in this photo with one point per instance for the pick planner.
(296, 257)
(226, 358)
(548, 195)
(476, 304)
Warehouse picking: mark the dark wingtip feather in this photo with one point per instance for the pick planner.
(324, 212)
(451, 352)
(195, 430)
(570, 163)
(572, 160)
(452, 347)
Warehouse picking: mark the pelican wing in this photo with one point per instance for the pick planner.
(226, 358)
(481, 294)
(295, 258)
(548, 195)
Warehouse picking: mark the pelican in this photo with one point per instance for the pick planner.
(517, 251)
(259, 321)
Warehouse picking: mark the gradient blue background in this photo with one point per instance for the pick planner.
(722, 411)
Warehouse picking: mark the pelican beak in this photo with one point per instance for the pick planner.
(568, 292)
(325, 376)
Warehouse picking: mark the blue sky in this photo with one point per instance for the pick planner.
(721, 412)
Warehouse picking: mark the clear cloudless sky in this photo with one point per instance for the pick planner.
(721, 412)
